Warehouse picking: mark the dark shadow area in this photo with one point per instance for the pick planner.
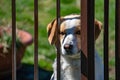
(26, 72)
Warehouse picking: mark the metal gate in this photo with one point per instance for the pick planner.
(87, 18)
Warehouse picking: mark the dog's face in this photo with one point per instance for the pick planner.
(69, 34)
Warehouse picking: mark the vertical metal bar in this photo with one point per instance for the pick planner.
(35, 39)
(58, 47)
(117, 40)
(106, 35)
(87, 23)
(91, 40)
(84, 39)
(13, 39)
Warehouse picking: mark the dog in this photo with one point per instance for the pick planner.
(70, 41)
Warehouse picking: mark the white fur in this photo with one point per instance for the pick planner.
(70, 68)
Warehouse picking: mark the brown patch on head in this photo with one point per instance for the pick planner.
(62, 31)
(78, 36)
(98, 27)
(52, 33)
(77, 29)
(62, 27)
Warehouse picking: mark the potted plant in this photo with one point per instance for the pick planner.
(23, 39)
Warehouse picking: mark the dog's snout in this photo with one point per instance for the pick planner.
(68, 47)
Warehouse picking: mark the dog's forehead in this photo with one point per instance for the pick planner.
(70, 22)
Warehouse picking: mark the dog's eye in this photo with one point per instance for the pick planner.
(62, 33)
(78, 33)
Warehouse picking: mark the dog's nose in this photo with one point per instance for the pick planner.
(68, 47)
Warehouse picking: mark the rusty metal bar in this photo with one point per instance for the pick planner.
(35, 39)
(84, 39)
(13, 39)
(106, 42)
(58, 47)
(117, 40)
(87, 33)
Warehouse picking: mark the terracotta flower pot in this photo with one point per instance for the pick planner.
(6, 58)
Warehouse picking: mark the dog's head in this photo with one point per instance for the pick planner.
(69, 35)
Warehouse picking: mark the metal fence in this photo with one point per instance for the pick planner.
(87, 18)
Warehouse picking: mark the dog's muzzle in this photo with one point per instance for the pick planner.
(69, 51)
(68, 48)
(69, 45)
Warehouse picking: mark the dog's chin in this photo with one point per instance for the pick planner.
(71, 54)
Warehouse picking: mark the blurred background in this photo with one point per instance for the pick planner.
(47, 12)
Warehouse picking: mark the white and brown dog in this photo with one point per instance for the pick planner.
(70, 41)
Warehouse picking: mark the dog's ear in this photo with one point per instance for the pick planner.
(52, 32)
(98, 27)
